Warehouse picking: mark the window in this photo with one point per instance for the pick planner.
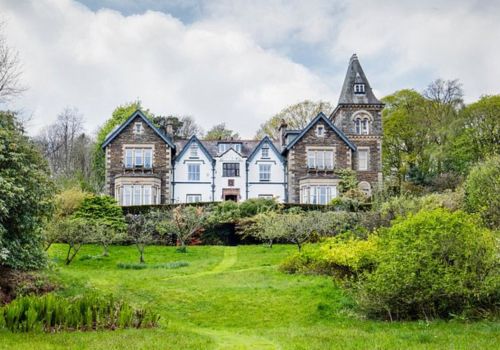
(148, 158)
(138, 195)
(223, 147)
(265, 151)
(127, 195)
(362, 126)
(138, 157)
(320, 159)
(194, 151)
(193, 198)
(138, 128)
(129, 158)
(266, 196)
(362, 159)
(231, 169)
(264, 172)
(359, 88)
(230, 182)
(318, 194)
(320, 131)
(193, 172)
(366, 188)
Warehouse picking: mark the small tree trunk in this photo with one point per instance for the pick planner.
(105, 250)
(182, 249)
(141, 259)
(270, 243)
(299, 245)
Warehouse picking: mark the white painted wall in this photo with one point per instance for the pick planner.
(273, 187)
(221, 182)
(182, 186)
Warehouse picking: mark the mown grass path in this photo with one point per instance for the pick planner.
(235, 298)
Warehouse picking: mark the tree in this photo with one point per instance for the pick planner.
(189, 128)
(140, 232)
(482, 188)
(119, 115)
(106, 216)
(26, 193)
(10, 71)
(267, 227)
(296, 116)
(219, 132)
(66, 146)
(186, 222)
(75, 232)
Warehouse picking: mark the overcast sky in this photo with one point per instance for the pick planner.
(240, 62)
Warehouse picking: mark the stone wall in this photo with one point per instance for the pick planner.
(162, 156)
(297, 159)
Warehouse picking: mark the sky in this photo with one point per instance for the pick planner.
(239, 62)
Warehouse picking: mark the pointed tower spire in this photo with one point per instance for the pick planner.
(356, 88)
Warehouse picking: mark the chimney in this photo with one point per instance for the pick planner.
(281, 131)
(169, 128)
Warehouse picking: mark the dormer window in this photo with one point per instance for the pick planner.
(193, 151)
(359, 88)
(138, 129)
(224, 146)
(320, 131)
(265, 151)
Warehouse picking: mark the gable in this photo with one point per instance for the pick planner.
(328, 124)
(136, 117)
(265, 141)
(201, 148)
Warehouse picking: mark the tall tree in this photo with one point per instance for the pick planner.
(10, 70)
(25, 197)
(220, 132)
(296, 116)
(189, 128)
(66, 146)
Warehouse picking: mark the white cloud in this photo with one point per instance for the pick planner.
(98, 60)
(232, 63)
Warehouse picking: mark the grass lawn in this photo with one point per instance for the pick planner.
(235, 298)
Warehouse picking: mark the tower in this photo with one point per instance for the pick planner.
(359, 116)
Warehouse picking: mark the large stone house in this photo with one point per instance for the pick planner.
(144, 165)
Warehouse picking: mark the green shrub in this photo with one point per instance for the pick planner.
(343, 256)
(255, 206)
(52, 313)
(433, 264)
(482, 189)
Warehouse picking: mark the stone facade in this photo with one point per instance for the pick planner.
(118, 174)
(298, 171)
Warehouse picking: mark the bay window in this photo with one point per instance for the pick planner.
(317, 194)
(138, 195)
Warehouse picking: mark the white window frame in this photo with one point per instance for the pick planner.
(194, 171)
(193, 151)
(265, 172)
(359, 88)
(365, 165)
(193, 198)
(138, 128)
(138, 195)
(265, 196)
(318, 133)
(138, 157)
(321, 159)
(317, 194)
(362, 125)
(265, 151)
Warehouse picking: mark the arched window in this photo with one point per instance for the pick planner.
(362, 124)
(366, 188)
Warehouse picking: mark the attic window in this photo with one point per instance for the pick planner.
(320, 131)
(194, 151)
(359, 88)
(265, 151)
(138, 129)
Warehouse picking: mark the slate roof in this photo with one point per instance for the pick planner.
(247, 146)
(354, 75)
(328, 122)
(134, 115)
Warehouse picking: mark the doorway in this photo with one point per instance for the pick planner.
(231, 197)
